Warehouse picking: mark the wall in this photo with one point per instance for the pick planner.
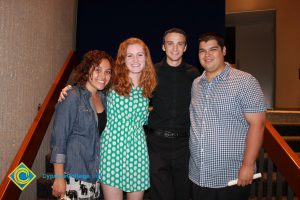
(287, 54)
(246, 5)
(255, 47)
(35, 37)
(155, 16)
(287, 42)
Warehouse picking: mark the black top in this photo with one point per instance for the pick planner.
(171, 99)
(102, 119)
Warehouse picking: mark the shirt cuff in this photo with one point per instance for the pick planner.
(58, 158)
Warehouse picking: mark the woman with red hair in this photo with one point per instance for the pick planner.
(124, 164)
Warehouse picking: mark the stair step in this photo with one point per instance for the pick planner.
(293, 142)
(288, 129)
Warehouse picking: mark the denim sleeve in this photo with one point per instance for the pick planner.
(64, 119)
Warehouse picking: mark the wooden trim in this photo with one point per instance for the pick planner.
(284, 158)
(34, 137)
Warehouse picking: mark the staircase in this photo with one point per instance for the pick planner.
(272, 185)
(291, 134)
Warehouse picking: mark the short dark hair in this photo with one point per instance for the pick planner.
(212, 36)
(174, 30)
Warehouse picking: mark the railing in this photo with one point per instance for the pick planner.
(34, 137)
(280, 166)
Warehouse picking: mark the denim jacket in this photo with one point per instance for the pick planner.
(75, 140)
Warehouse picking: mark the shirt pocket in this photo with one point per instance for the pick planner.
(224, 104)
(86, 119)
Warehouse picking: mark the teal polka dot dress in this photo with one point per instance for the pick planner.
(124, 159)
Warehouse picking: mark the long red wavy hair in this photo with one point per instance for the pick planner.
(121, 82)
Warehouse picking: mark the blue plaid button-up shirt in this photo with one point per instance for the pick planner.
(218, 127)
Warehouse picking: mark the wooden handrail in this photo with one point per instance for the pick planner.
(34, 137)
(284, 158)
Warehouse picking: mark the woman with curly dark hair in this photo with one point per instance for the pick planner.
(78, 123)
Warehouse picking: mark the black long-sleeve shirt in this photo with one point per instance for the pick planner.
(172, 96)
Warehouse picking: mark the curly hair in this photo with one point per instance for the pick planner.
(121, 82)
(90, 60)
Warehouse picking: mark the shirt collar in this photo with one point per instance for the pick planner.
(180, 66)
(85, 92)
(221, 76)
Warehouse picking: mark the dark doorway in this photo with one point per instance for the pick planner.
(230, 44)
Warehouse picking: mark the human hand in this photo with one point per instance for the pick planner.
(150, 108)
(63, 93)
(245, 175)
(59, 187)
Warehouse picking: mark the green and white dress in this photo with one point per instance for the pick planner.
(124, 159)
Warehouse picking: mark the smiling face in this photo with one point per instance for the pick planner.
(99, 76)
(174, 45)
(135, 59)
(211, 57)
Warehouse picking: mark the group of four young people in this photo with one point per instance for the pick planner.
(117, 94)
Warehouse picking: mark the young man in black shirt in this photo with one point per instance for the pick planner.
(169, 123)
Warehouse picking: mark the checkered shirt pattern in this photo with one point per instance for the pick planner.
(218, 127)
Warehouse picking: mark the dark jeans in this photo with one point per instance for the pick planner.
(169, 158)
(226, 193)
